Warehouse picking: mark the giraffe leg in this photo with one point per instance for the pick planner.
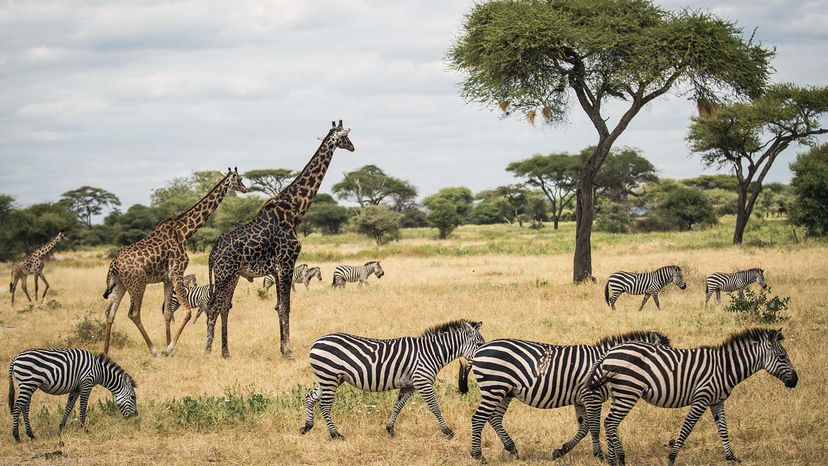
(36, 290)
(402, 399)
(496, 422)
(13, 286)
(136, 298)
(166, 310)
(176, 271)
(225, 350)
(717, 410)
(43, 278)
(117, 295)
(25, 287)
(283, 306)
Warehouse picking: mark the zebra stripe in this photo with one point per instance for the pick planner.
(648, 284)
(407, 364)
(701, 378)
(542, 376)
(728, 282)
(350, 273)
(61, 371)
(301, 274)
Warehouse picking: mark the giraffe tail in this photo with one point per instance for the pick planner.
(11, 388)
(110, 282)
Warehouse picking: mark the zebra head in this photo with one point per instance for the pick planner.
(122, 386)
(376, 268)
(472, 338)
(314, 272)
(675, 277)
(760, 278)
(774, 357)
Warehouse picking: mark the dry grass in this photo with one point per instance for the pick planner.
(527, 297)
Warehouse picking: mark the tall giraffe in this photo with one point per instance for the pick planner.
(268, 244)
(161, 257)
(33, 265)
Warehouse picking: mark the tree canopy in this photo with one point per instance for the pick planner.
(448, 208)
(747, 137)
(529, 57)
(269, 181)
(87, 201)
(555, 174)
(370, 185)
(810, 189)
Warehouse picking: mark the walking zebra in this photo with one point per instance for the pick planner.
(648, 284)
(718, 282)
(301, 274)
(407, 364)
(350, 273)
(61, 371)
(701, 378)
(197, 297)
(542, 376)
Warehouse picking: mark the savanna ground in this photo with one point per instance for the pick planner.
(248, 409)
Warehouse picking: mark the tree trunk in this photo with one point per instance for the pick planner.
(584, 214)
(555, 219)
(742, 215)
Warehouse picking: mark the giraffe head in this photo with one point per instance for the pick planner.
(339, 136)
(235, 180)
(62, 236)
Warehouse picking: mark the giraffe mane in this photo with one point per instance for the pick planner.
(213, 189)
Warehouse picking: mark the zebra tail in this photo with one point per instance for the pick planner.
(606, 293)
(463, 378)
(597, 376)
(110, 282)
(11, 388)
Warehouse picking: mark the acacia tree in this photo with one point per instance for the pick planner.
(529, 56)
(370, 185)
(269, 181)
(623, 172)
(87, 201)
(747, 137)
(555, 174)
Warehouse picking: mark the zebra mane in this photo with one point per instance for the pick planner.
(459, 324)
(370, 262)
(670, 267)
(104, 359)
(635, 335)
(755, 333)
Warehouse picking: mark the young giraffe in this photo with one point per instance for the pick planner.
(269, 243)
(161, 257)
(33, 265)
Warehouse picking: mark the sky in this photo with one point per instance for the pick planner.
(126, 96)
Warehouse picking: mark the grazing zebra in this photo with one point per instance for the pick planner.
(718, 282)
(61, 371)
(648, 284)
(542, 376)
(701, 378)
(301, 274)
(350, 273)
(407, 363)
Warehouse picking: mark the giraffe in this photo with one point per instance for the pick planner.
(268, 244)
(161, 257)
(33, 265)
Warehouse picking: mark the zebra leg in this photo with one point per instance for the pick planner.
(717, 410)
(21, 405)
(618, 411)
(707, 297)
(84, 402)
(581, 414)
(26, 423)
(496, 421)
(427, 392)
(310, 403)
(718, 297)
(402, 399)
(489, 402)
(655, 300)
(326, 398)
(70, 405)
(646, 297)
(696, 410)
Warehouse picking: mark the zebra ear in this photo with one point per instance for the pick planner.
(779, 336)
(478, 324)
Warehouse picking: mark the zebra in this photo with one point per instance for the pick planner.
(407, 364)
(701, 378)
(350, 273)
(60, 371)
(197, 297)
(648, 284)
(542, 376)
(718, 282)
(301, 274)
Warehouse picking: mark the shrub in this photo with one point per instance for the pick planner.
(759, 307)
(205, 411)
(91, 331)
(612, 217)
(379, 222)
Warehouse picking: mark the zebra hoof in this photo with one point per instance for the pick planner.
(449, 434)
(390, 431)
(733, 458)
(513, 452)
(337, 436)
(671, 443)
(558, 454)
(305, 429)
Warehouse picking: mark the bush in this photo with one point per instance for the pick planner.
(448, 209)
(612, 217)
(759, 307)
(810, 189)
(204, 411)
(91, 331)
(379, 222)
(413, 218)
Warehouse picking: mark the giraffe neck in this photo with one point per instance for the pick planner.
(297, 197)
(46, 248)
(191, 220)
